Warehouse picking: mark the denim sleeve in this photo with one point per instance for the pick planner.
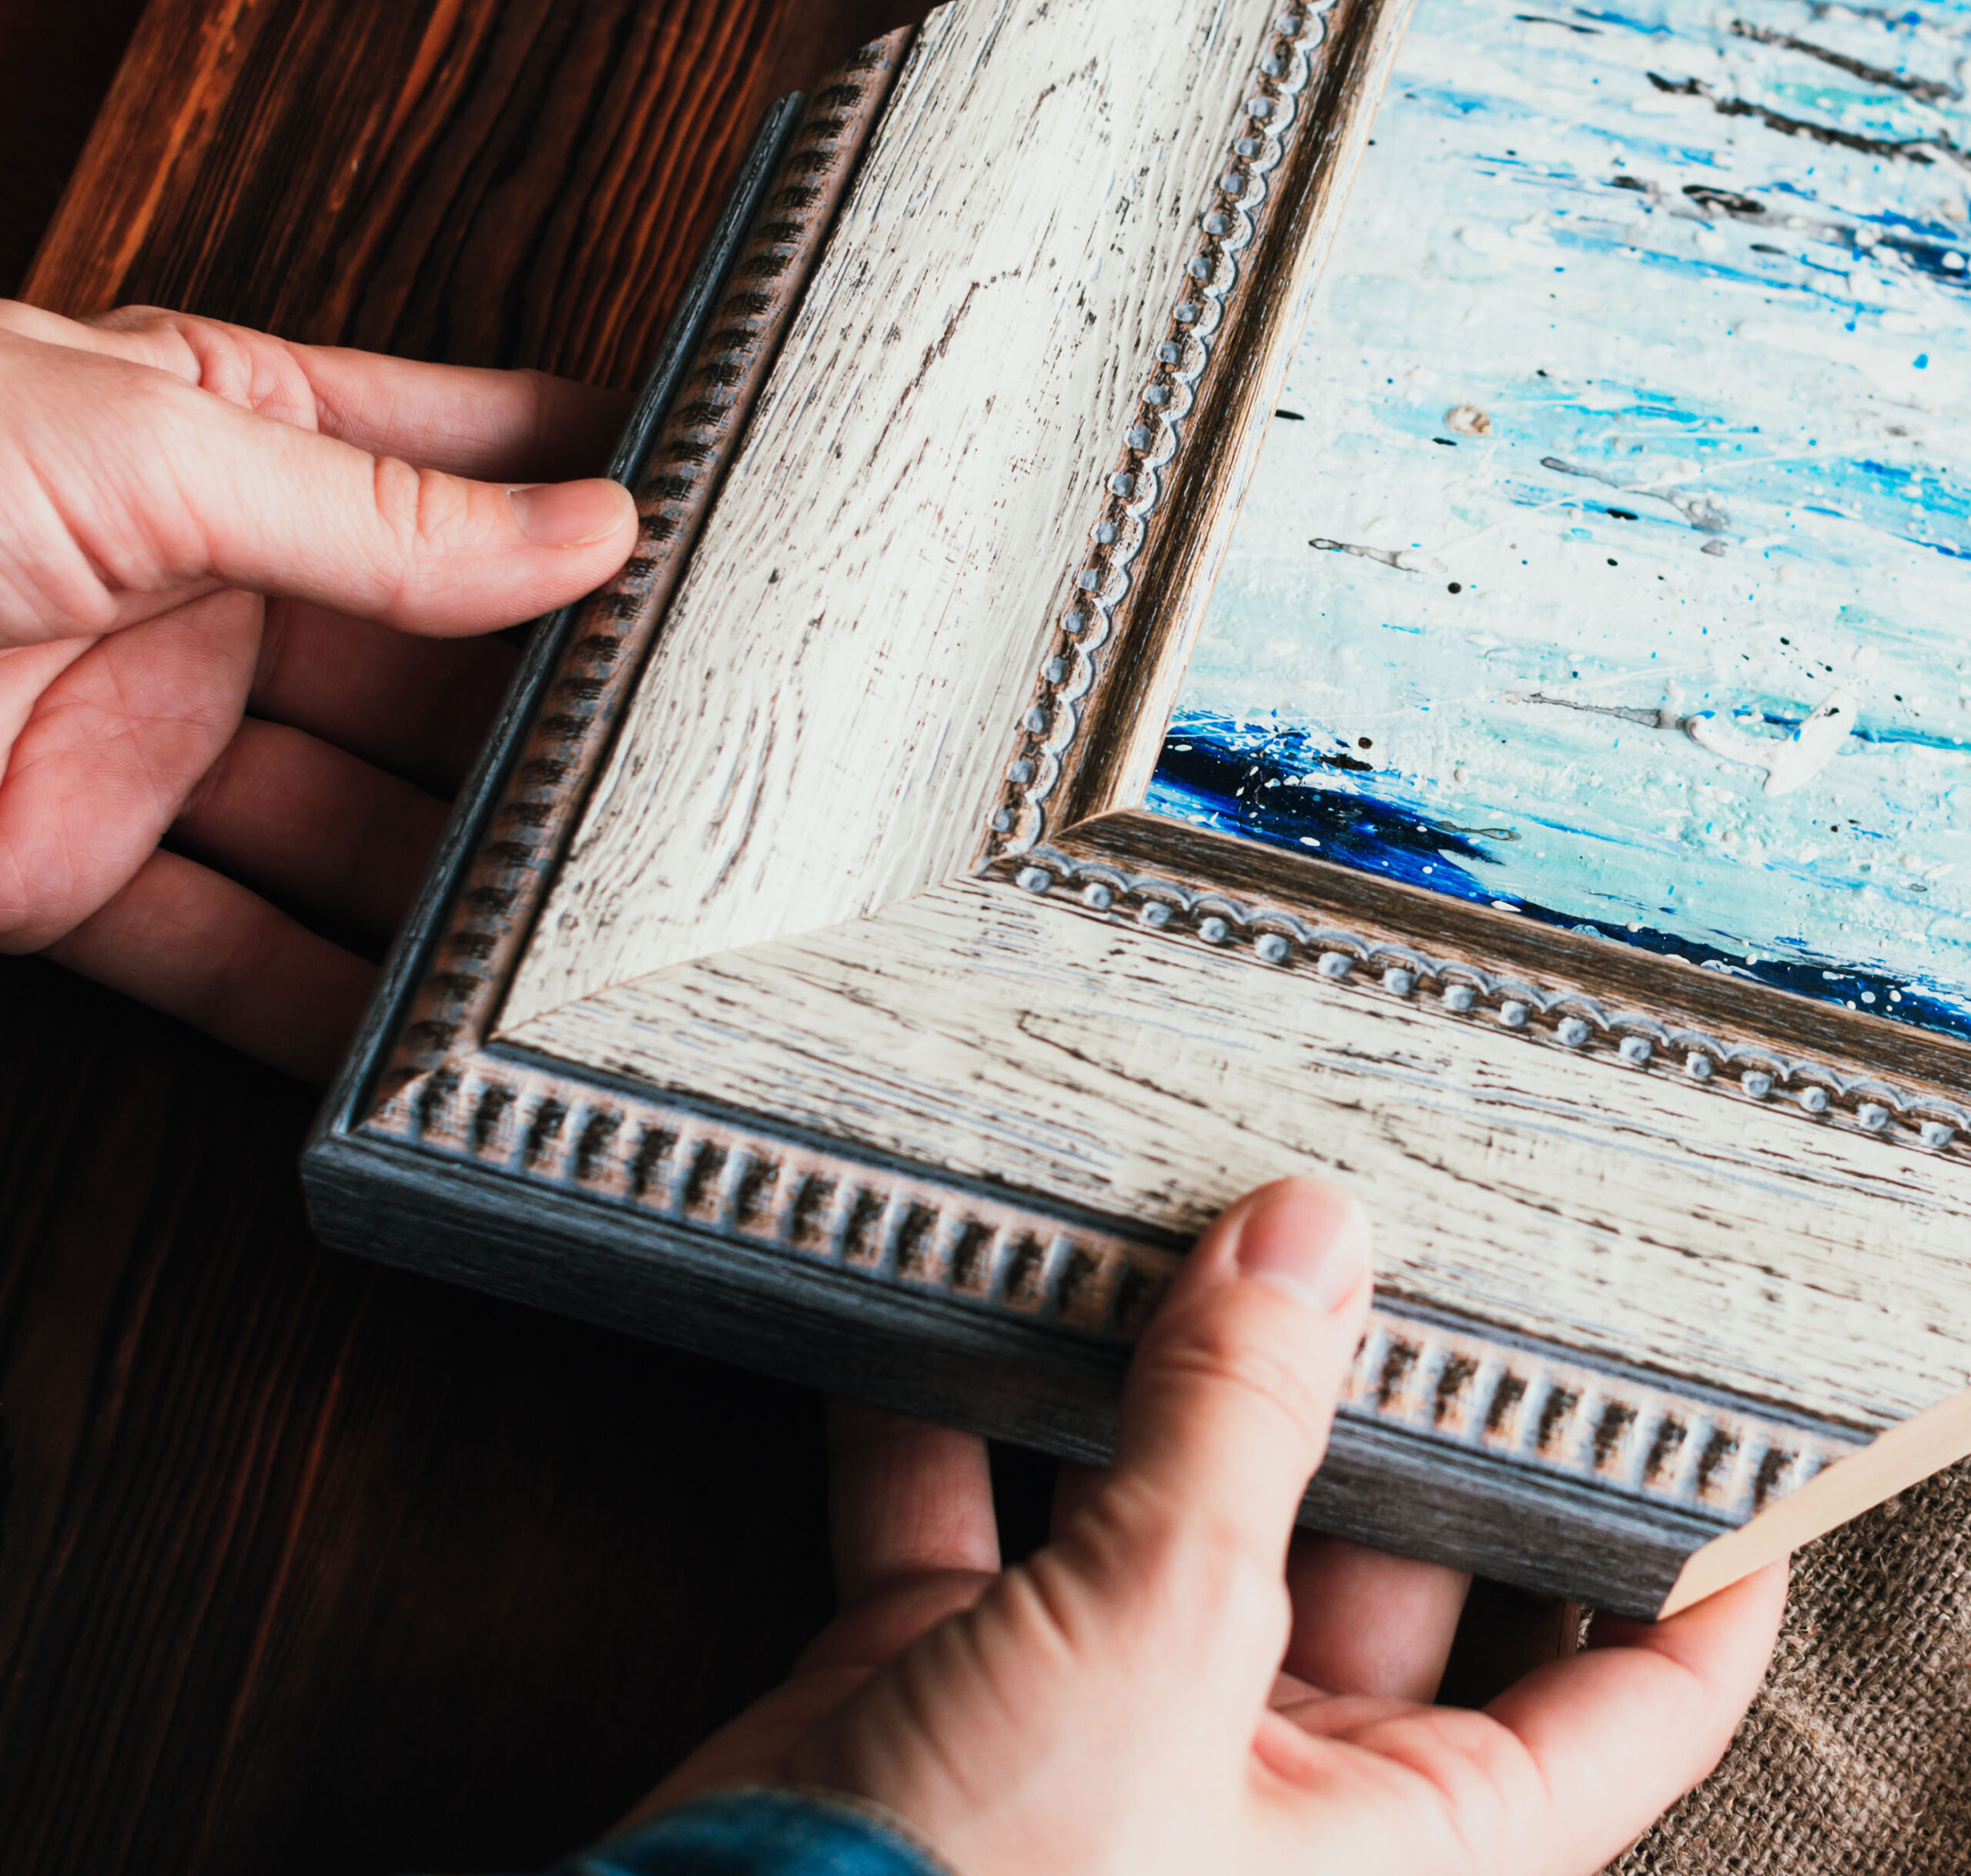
(761, 1833)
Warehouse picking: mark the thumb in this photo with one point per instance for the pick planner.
(1229, 1398)
(219, 493)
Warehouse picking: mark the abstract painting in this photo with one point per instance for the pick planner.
(1608, 560)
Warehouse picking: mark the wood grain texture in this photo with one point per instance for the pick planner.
(306, 1565)
(895, 539)
(1786, 1027)
(451, 178)
(1269, 227)
(311, 1566)
(515, 815)
(999, 1037)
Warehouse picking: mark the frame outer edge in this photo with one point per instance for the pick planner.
(1019, 1380)
(410, 952)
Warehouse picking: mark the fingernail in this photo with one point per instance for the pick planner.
(1308, 1239)
(571, 514)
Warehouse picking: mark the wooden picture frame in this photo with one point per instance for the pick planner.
(802, 981)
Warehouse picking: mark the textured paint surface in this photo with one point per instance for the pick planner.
(1628, 435)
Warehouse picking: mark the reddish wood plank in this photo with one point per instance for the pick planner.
(309, 1565)
(519, 182)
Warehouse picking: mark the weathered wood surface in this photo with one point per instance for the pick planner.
(306, 1565)
(311, 1565)
(1000, 1037)
(895, 542)
(58, 57)
(453, 178)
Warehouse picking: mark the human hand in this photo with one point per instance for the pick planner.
(232, 612)
(1172, 1685)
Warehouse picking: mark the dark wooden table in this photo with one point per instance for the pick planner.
(306, 1566)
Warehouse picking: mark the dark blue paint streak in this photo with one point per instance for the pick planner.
(1646, 29)
(1235, 780)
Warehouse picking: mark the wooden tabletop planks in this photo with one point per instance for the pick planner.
(523, 182)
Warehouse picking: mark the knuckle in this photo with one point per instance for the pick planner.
(1191, 1568)
(425, 514)
(226, 364)
(232, 362)
(1481, 1778)
(51, 585)
(1231, 1359)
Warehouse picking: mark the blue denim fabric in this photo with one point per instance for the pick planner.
(759, 1833)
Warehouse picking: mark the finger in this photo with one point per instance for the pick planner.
(319, 829)
(1229, 1398)
(190, 942)
(1367, 1623)
(906, 1499)
(199, 490)
(1617, 1734)
(1076, 1488)
(419, 707)
(495, 425)
(27, 673)
(112, 744)
(465, 419)
(915, 1540)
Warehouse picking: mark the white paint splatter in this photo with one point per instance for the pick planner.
(1789, 765)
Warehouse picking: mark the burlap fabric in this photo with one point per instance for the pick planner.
(1857, 1754)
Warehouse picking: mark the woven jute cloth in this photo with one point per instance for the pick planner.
(1857, 1754)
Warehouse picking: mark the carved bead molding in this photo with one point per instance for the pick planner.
(757, 1189)
(457, 1000)
(1449, 1386)
(1560, 1016)
(1135, 491)
(1016, 846)
(1539, 1409)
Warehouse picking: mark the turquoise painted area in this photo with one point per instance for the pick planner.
(1637, 392)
